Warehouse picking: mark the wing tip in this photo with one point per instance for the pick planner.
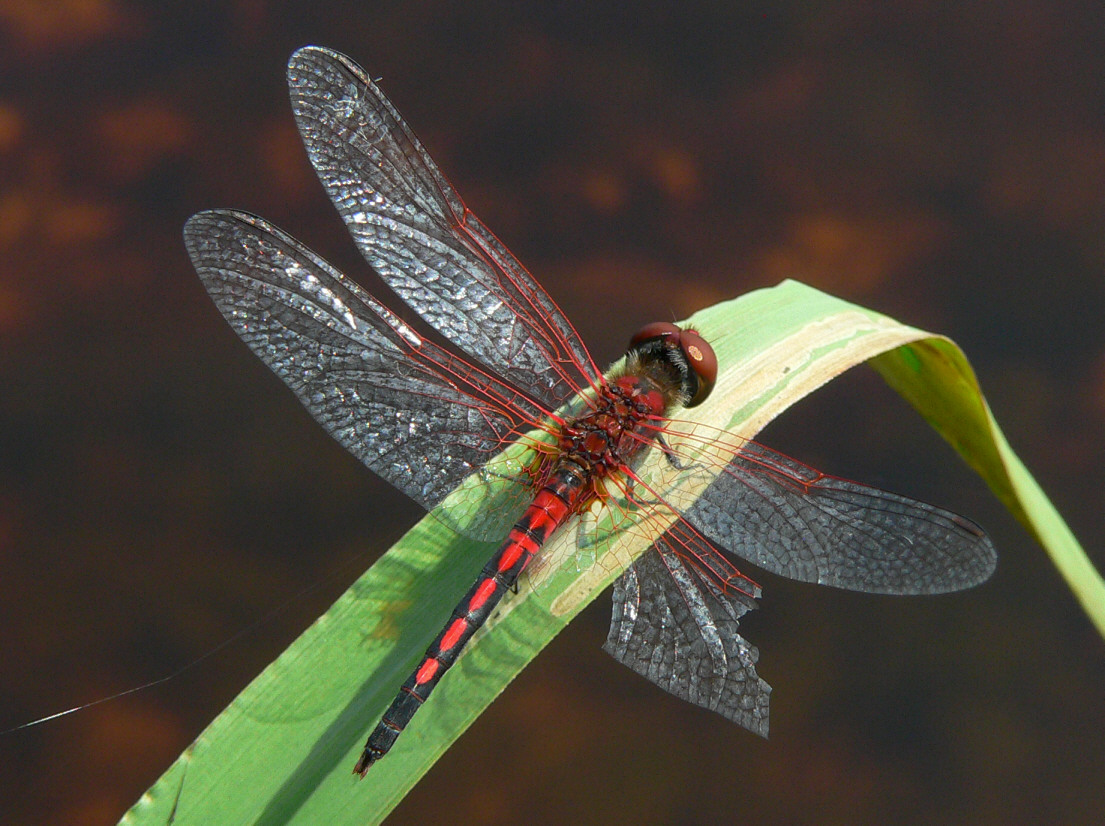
(319, 60)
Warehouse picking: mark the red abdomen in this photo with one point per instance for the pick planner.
(554, 503)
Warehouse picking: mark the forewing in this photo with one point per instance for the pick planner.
(418, 416)
(415, 231)
(790, 519)
(674, 625)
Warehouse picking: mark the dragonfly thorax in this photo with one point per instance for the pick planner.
(605, 438)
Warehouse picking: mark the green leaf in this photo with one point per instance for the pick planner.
(285, 748)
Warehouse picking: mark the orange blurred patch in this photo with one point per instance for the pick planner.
(849, 252)
(604, 191)
(78, 222)
(139, 135)
(283, 156)
(38, 211)
(676, 171)
(11, 127)
(36, 25)
(147, 735)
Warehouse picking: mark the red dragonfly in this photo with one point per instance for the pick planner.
(426, 419)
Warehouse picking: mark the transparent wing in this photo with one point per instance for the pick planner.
(415, 231)
(673, 624)
(420, 417)
(790, 519)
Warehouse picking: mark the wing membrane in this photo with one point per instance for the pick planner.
(792, 520)
(418, 416)
(413, 228)
(674, 626)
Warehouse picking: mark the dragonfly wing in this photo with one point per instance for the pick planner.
(416, 415)
(676, 627)
(791, 520)
(413, 228)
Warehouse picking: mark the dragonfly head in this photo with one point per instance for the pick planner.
(685, 352)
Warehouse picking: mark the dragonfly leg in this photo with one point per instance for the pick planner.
(670, 454)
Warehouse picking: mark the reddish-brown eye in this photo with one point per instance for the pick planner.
(702, 361)
(657, 329)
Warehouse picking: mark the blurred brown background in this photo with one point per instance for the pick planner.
(160, 490)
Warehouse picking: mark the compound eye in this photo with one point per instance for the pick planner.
(657, 329)
(702, 361)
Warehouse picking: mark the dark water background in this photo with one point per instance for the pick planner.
(160, 490)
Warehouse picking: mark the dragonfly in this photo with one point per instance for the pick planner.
(516, 377)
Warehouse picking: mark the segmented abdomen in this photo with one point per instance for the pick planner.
(552, 505)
